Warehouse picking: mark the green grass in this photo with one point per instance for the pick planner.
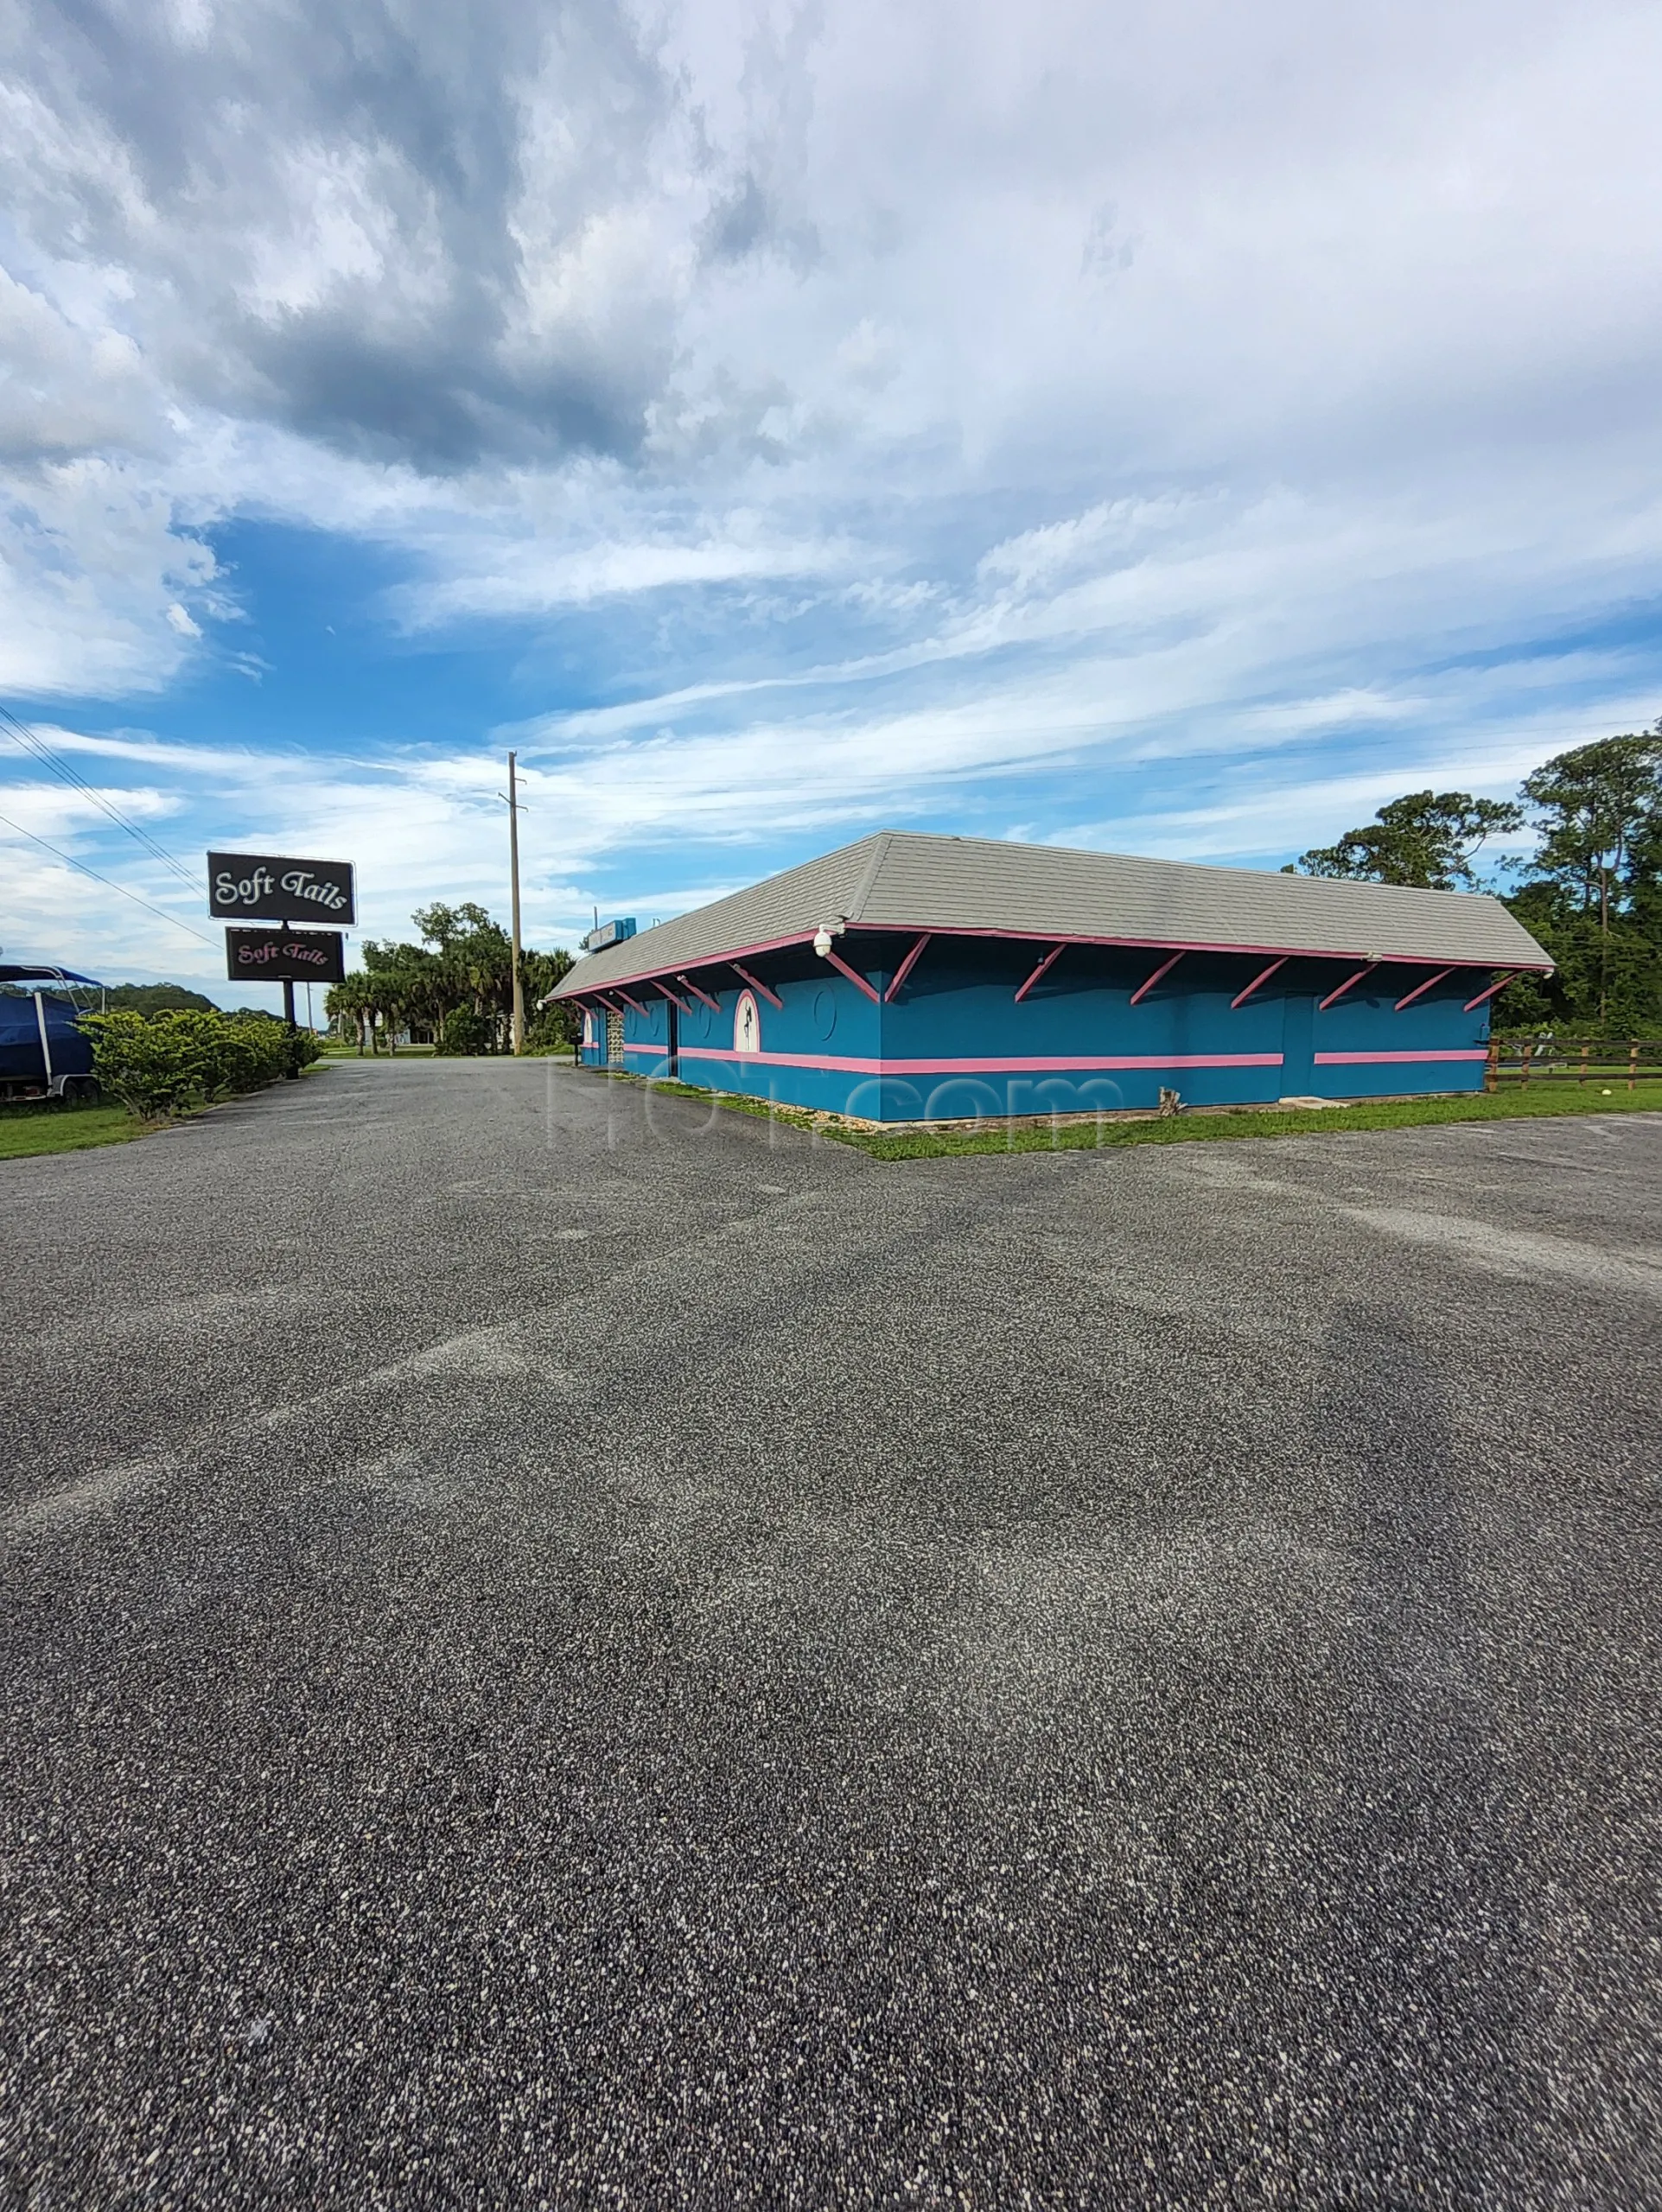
(1537, 1102)
(25, 1130)
(40, 1125)
(1517, 1102)
(335, 1051)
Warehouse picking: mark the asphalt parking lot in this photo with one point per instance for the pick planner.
(559, 1650)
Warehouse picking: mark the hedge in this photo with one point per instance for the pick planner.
(163, 1064)
(465, 1033)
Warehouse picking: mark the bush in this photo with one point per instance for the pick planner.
(465, 1032)
(164, 1065)
(552, 1029)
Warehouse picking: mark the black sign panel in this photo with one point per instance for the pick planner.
(284, 956)
(266, 887)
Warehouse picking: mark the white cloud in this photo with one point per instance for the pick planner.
(908, 402)
(545, 578)
(90, 567)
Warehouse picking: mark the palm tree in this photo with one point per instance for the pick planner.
(351, 1000)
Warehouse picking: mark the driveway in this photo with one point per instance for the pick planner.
(559, 1650)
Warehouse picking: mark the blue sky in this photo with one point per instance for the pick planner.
(1172, 429)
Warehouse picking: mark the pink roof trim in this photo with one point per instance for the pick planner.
(1048, 936)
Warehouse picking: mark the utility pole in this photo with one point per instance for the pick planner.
(519, 1031)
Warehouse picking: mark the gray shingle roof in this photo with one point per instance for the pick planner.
(898, 880)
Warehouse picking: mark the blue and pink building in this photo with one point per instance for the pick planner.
(912, 978)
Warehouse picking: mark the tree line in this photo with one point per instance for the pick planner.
(1591, 892)
(454, 985)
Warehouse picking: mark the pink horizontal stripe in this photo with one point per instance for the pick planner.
(1054, 1064)
(1383, 1059)
(1059, 1063)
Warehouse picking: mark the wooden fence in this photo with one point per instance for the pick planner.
(1576, 1059)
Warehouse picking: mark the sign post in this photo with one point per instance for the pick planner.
(276, 888)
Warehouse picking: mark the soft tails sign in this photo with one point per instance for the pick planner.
(282, 955)
(266, 887)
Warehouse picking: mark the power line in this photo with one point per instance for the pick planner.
(38, 749)
(36, 746)
(69, 860)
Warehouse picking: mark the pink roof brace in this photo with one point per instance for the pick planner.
(1159, 973)
(853, 974)
(1055, 954)
(1262, 976)
(1483, 997)
(1349, 982)
(756, 984)
(1420, 990)
(905, 969)
(687, 984)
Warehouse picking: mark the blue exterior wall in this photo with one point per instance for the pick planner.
(822, 1016)
(956, 1044)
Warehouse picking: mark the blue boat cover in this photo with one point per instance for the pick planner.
(20, 1059)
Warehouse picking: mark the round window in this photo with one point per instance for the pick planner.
(824, 1012)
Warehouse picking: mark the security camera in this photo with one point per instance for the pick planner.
(821, 942)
